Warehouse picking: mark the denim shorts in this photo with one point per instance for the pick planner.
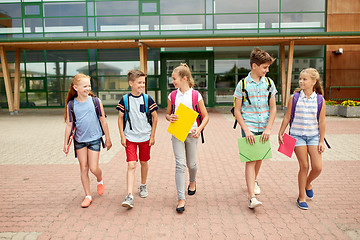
(306, 140)
(92, 145)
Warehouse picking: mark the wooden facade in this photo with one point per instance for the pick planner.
(343, 70)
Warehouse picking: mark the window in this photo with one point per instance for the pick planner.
(149, 7)
(32, 10)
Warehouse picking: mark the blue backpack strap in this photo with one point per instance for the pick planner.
(146, 102)
(126, 105)
(148, 114)
(127, 109)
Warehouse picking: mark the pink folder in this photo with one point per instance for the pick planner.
(288, 147)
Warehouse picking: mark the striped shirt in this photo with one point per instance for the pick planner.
(305, 118)
(256, 114)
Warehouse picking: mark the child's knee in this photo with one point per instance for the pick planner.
(131, 166)
(144, 163)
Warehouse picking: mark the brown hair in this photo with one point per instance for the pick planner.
(72, 93)
(184, 71)
(134, 74)
(259, 57)
(314, 74)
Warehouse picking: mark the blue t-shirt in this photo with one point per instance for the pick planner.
(87, 123)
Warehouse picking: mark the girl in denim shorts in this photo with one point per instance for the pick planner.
(308, 128)
(82, 120)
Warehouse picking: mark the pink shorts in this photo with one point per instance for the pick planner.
(131, 151)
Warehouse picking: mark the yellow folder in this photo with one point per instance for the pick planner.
(186, 118)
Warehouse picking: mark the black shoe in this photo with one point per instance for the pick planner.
(180, 209)
(191, 192)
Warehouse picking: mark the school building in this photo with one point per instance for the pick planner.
(43, 43)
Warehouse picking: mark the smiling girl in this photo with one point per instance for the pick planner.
(185, 152)
(309, 131)
(88, 132)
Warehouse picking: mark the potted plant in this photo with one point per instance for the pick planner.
(349, 108)
(332, 108)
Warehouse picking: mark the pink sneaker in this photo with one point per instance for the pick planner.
(100, 188)
(86, 202)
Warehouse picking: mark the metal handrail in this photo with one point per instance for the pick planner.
(342, 98)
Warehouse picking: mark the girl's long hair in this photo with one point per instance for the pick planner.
(72, 93)
(184, 71)
(314, 74)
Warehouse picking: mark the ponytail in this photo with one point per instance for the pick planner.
(184, 71)
(72, 93)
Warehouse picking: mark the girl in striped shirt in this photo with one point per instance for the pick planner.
(308, 130)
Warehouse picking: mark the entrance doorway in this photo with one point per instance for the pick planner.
(201, 65)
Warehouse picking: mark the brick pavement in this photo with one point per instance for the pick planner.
(41, 190)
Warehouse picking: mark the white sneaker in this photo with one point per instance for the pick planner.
(257, 190)
(143, 191)
(253, 203)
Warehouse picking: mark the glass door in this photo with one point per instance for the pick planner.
(201, 65)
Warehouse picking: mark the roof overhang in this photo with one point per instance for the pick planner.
(192, 41)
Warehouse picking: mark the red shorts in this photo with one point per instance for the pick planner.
(131, 151)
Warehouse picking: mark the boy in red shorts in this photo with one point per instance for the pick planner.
(137, 124)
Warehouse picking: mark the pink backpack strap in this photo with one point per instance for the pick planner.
(172, 100)
(195, 103)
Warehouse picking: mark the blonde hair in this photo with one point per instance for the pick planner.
(72, 93)
(184, 71)
(134, 74)
(259, 57)
(314, 75)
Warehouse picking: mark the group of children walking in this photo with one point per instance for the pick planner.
(254, 110)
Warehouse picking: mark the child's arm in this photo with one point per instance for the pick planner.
(285, 121)
(121, 128)
(105, 128)
(170, 117)
(272, 107)
(153, 129)
(205, 119)
(322, 125)
(67, 132)
(250, 138)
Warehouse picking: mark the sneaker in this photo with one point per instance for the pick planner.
(87, 201)
(100, 188)
(143, 191)
(253, 203)
(309, 193)
(128, 202)
(257, 188)
(302, 205)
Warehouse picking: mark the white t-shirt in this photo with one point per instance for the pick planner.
(186, 99)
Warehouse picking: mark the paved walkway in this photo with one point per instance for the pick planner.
(41, 190)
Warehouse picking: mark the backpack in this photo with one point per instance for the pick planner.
(319, 106)
(246, 95)
(96, 103)
(127, 109)
(195, 104)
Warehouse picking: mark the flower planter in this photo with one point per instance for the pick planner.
(349, 111)
(332, 110)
